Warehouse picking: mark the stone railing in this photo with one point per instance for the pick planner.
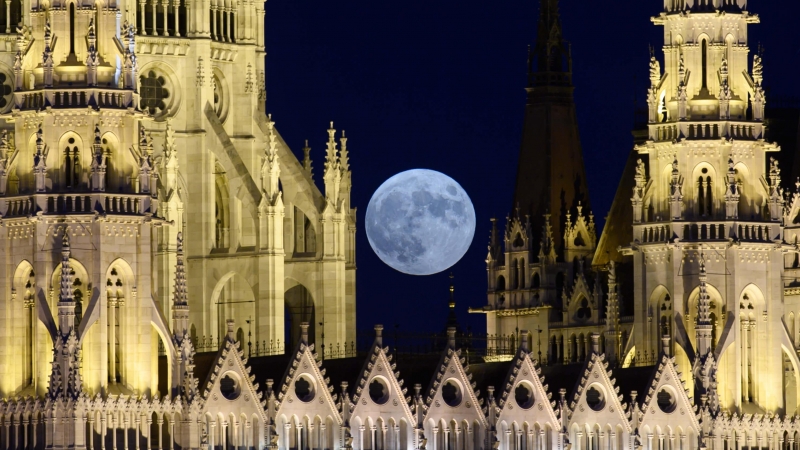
(713, 230)
(741, 130)
(77, 203)
(58, 97)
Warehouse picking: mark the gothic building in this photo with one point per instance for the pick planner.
(167, 258)
(703, 233)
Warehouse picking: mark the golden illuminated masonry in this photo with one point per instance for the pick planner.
(174, 278)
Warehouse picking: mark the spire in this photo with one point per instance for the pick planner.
(452, 319)
(66, 296)
(271, 168)
(307, 160)
(40, 162)
(181, 296)
(332, 175)
(550, 172)
(47, 56)
(551, 53)
(704, 325)
(98, 166)
(92, 59)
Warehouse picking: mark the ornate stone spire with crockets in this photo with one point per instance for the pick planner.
(92, 58)
(551, 178)
(66, 296)
(704, 326)
(47, 56)
(180, 299)
(333, 173)
(40, 162)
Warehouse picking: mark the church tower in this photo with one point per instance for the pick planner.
(708, 213)
(550, 175)
(536, 266)
(124, 125)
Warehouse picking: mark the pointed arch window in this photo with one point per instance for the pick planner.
(115, 296)
(705, 196)
(29, 352)
(72, 164)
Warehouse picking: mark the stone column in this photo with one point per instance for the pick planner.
(154, 31)
(176, 6)
(104, 430)
(161, 432)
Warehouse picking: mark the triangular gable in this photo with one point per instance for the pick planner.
(680, 412)
(230, 389)
(597, 379)
(320, 399)
(524, 372)
(378, 368)
(452, 373)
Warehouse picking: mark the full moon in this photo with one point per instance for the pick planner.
(420, 222)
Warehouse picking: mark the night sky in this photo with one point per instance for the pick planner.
(440, 85)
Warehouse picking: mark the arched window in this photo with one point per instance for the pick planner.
(501, 283)
(536, 281)
(522, 273)
(29, 352)
(705, 194)
(559, 287)
(115, 296)
(72, 164)
(514, 274)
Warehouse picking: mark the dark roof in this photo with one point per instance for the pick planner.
(420, 369)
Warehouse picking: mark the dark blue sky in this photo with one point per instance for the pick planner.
(439, 85)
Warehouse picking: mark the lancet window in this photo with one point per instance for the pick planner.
(29, 305)
(704, 58)
(72, 164)
(705, 196)
(115, 296)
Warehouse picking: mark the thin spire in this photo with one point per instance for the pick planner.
(551, 53)
(704, 302)
(66, 295)
(181, 296)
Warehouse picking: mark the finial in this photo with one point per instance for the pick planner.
(231, 324)
(304, 332)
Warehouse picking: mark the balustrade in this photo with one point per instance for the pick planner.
(744, 231)
(74, 203)
(665, 132)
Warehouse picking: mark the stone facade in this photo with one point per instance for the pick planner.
(711, 264)
(150, 209)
